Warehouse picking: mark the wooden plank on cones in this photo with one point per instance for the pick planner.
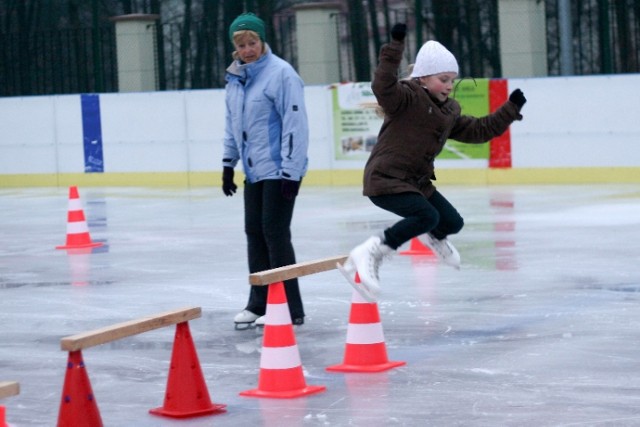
(127, 329)
(295, 270)
(9, 388)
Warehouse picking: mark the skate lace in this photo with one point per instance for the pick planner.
(378, 256)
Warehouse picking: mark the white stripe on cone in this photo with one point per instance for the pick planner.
(280, 357)
(77, 227)
(364, 333)
(75, 205)
(278, 314)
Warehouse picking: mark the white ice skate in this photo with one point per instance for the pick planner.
(365, 259)
(348, 270)
(245, 320)
(262, 320)
(444, 250)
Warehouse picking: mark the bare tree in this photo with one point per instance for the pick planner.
(359, 40)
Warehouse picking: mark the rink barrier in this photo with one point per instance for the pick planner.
(186, 394)
(293, 271)
(7, 388)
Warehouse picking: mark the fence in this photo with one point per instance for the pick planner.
(57, 62)
(606, 36)
(605, 40)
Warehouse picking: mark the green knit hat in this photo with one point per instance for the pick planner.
(247, 21)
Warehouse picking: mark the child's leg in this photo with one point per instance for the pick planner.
(435, 217)
(450, 221)
(419, 216)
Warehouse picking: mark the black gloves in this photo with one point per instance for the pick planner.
(289, 188)
(228, 187)
(517, 97)
(399, 32)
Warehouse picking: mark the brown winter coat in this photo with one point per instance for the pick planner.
(416, 128)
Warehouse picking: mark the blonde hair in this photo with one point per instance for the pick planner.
(242, 35)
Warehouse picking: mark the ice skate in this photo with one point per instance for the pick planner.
(444, 250)
(260, 321)
(348, 270)
(365, 260)
(245, 320)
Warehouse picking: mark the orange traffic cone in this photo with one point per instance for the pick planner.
(3, 422)
(187, 394)
(280, 367)
(78, 406)
(365, 350)
(416, 247)
(77, 229)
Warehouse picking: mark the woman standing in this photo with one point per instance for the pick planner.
(267, 130)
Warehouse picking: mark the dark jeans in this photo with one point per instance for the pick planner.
(421, 215)
(267, 223)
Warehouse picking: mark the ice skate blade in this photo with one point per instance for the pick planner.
(243, 326)
(454, 265)
(364, 293)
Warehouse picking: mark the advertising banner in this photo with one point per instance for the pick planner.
(92, 133)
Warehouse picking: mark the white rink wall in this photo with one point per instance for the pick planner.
(577, 123)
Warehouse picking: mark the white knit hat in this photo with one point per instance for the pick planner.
(433, 58)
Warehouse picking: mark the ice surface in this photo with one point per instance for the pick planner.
(541, 326)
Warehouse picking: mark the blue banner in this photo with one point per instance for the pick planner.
(92, 133)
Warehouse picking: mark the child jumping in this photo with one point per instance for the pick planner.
(419, 117)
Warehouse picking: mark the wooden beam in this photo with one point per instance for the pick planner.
(295, 270)
(127, 329)
(9, 388)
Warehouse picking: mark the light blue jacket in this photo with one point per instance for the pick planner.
(266, 119)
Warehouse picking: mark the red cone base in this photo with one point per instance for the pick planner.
(282, 384)
(289, 394)
(78, 406)
(416, 247)
(187, 395)
(90, 245)
(356, 359)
